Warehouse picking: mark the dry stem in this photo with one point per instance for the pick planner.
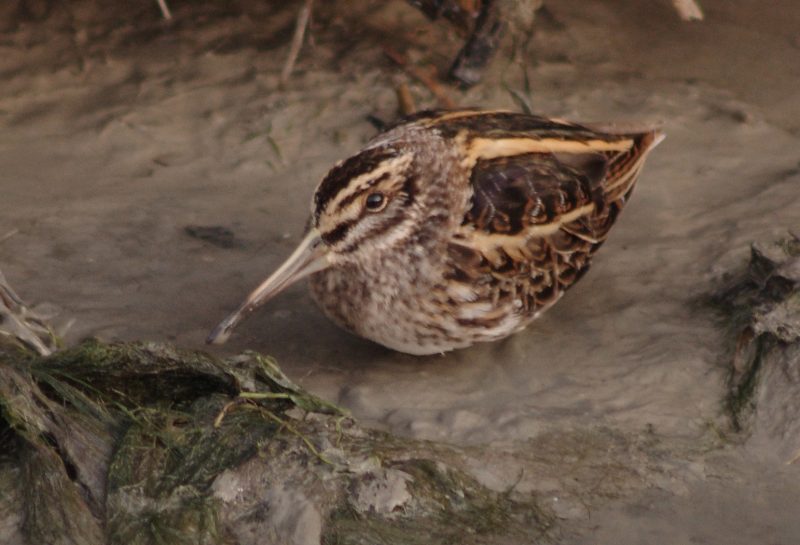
(405, 102)
(688, 10)
(9, 235)
(425, 78)
(162, 4)
(21, 324)
(297, 40)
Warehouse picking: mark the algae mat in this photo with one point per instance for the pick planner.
(142, 444)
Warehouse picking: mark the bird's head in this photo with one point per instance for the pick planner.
(368, 204)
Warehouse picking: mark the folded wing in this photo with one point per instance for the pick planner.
(544, 200)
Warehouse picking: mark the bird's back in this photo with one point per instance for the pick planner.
(545, 194)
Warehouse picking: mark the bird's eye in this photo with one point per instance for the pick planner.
(376, 202)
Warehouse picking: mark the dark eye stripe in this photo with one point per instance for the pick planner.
(338, 233)
(350, 198)
(340, 176)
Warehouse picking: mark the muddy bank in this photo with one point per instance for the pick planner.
(122, 135)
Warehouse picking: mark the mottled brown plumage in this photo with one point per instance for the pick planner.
(457, 227)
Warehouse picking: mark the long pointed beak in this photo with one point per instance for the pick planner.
(310, 256)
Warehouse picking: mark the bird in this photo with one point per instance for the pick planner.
(454, 227)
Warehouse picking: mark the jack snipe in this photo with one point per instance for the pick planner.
(457, 227)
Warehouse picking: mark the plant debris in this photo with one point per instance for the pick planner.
(762, 308)
(303, 17)
(425, 76)
(217, 235)
(20, 325)
(125, 443)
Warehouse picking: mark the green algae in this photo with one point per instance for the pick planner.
(760, 308)
(447, 506)
(132, 443)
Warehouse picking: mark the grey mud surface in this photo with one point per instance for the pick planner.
(151, 174)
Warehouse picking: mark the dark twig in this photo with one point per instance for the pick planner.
(476, 53)
(426, 79)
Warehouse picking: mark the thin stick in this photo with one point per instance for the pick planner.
(426, 79)
(8, 235)
(688, 10)
(164, 9)
(227, 407)
(405, 102)
(297, 40)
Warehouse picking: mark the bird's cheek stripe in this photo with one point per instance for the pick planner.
(337, 234)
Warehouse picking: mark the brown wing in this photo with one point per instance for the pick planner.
(513, 193)
(537, 216)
